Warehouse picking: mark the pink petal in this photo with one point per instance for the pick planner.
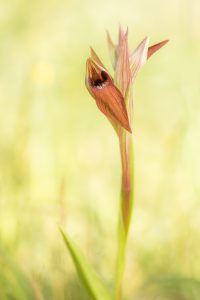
(139, 57)
(123, 73)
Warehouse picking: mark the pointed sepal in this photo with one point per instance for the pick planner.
(139, 57)
(112, 50)
(122, 71)
(156, 47)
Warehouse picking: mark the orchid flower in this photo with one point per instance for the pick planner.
(114, 98)
(114, 95)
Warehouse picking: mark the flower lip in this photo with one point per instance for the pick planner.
(100, 82)
(108, 97)
(97, 77)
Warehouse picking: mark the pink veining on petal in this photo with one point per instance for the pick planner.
(139, 57)
(122, 72)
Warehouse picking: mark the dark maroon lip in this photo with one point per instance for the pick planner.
(101, 81)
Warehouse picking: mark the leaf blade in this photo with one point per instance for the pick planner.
(86, 273)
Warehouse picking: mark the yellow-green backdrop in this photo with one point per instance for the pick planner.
(59, 157)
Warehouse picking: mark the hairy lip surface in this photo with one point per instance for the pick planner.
(101, 80)
(98, 77)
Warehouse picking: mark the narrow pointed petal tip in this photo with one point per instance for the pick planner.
(109, 39)
(95, 58)
(112, 50)
(152, 49)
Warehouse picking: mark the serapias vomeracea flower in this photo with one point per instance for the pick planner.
(112, 93)
(108, 97)
(114, 97)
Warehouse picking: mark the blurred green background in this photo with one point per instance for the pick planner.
(59, 157)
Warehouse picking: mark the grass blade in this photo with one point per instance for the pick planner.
(86, 273)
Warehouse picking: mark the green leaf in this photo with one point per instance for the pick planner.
(86, 273)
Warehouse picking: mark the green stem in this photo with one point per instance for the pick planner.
(120, 265)
(126, 205)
